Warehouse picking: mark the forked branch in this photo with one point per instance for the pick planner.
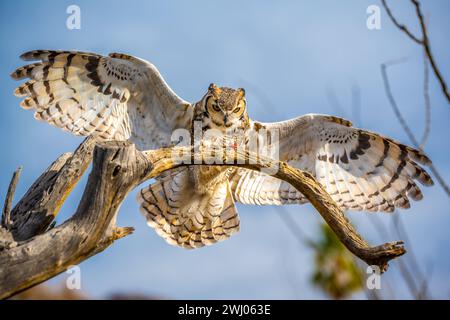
(423, 41)
(118, 168)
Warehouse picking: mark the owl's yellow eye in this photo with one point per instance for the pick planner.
(212, 103)
(240, 106)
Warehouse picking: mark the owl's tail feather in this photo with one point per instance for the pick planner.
(184, 218)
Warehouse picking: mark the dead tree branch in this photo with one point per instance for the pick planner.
(424, 41)
(402, 27)
(118, 168)
(6, 217)
(34, 213)
(88, 232)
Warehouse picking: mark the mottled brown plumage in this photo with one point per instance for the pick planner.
(202, 203)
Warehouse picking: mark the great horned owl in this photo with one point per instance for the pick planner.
(123, 97)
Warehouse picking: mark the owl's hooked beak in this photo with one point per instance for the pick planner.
(226, 121)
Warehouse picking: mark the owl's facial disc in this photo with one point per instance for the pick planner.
(225, 106)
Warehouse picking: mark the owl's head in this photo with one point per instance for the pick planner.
(226, 107)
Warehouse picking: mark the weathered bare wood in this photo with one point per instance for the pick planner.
(36, 210)
(117, 168)
(6, 239)
(6, 217)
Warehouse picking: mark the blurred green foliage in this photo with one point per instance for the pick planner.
(336, 271)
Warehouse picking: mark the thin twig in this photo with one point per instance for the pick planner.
(406, 274)
(400, 230)
(384, 234)
(403, 123)
(424, 42)
(426, 45)
(404, 271)
(423, 288)
(418, 293)
(426, 95)
(392, 101)
(409, 279)
(6, 217)
(294, 227)
(334, 102)
(439, 179)
(380, 228)
(399, 25)
(356, 105)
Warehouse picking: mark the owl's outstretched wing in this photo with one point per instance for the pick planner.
(361, 170)
(116, 97)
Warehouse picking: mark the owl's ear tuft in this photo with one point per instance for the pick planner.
(242, 91)
(212, 87)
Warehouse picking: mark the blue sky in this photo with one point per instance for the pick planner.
(294, 52)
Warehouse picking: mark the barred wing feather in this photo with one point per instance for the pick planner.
(361, 170)
(116, 97)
